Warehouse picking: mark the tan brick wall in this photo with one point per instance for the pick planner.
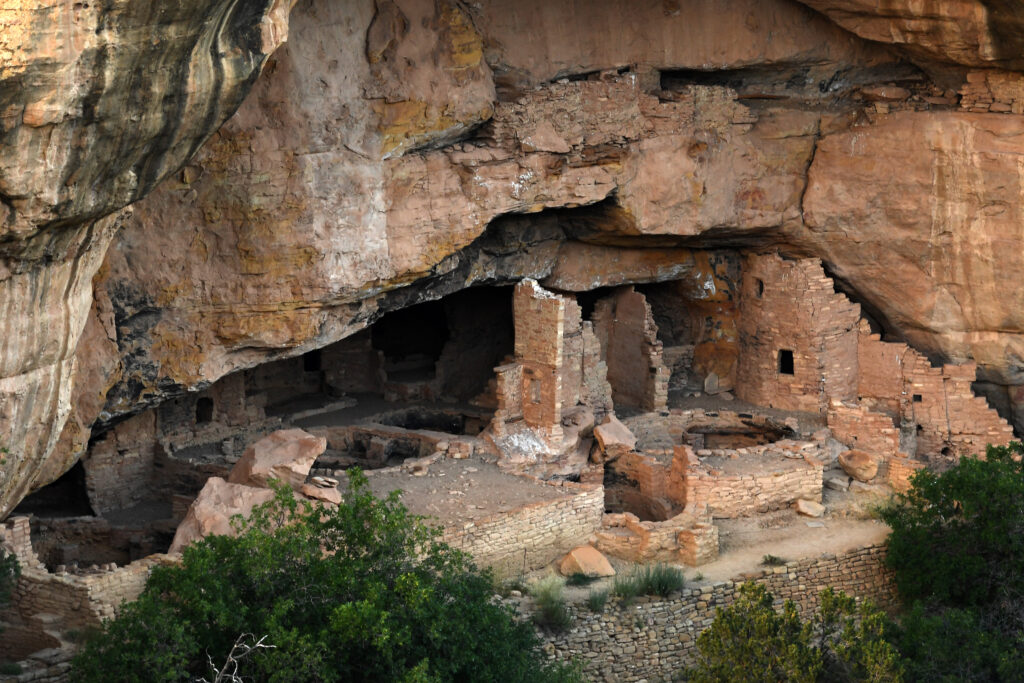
(653, 638)
(534, 535)
(993, 91)
(46, 606)
(625, 327)
(791, 306)
(773, 487)
(938, 403)
(860, 428)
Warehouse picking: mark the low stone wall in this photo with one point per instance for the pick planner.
(653, 639)
(773, 487)
(46, 607)
(534, 535)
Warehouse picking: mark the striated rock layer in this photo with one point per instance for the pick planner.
(395, 151)
(98, 103)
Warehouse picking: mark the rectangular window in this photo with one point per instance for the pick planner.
(917, 398)
(786, 362)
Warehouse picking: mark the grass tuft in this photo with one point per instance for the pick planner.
(597, 600)
(551, 612)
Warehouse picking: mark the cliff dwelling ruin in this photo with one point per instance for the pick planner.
(526, 420)
(683, 281)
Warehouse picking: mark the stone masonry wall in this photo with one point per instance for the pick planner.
(46, 606)
(539, 325)
(858, 427)
(653, 639)
(938, 402)
(629, 341)
(798, 338)
(534, 535)
(740, 495)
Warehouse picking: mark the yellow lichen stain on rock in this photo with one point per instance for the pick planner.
(465, 46)
(279, 327)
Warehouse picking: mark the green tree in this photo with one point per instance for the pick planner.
(958, 537)
(957, 553)
(751, 641)
(361, 592)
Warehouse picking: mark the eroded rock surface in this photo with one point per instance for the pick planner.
(98, 103)
(396, 151)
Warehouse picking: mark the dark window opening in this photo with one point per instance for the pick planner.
(786, 366)
(204, 410)
(760, 287)
(917, 398)
(311, 362)
(920, 429)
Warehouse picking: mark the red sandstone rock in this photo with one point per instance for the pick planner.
(917, 211)
(287, 455)
(321, 493)
(613, 437)
(585, 560)
(212, 510)
(860, 465)
(809, 508)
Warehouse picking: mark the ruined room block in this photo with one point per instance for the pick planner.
(798, 338)
(626, 329)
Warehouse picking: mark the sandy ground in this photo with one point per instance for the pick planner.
(453, 492)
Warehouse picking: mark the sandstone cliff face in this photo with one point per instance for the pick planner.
(98, 102)
(397, 150)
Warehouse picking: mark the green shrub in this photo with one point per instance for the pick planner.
(958, 537)
(628, 587)
(596, 600)
(551, 611)
(10, 668)
(950, 644)
(772, 561)
(657, 579)
(751, 641)
(361, 592)
(957, 554)
(661, 579)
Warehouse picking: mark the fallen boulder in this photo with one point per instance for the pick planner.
(287, 454)
(614, 438)
(585, 560)
(809, 508)
(212, 510)
(860, 465)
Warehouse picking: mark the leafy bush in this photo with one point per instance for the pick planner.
(361, 592)
(772, 561)
(596, 600)
(552, 612)
(958, 537)
(751, 641)
(957, 552)
(950, 644)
